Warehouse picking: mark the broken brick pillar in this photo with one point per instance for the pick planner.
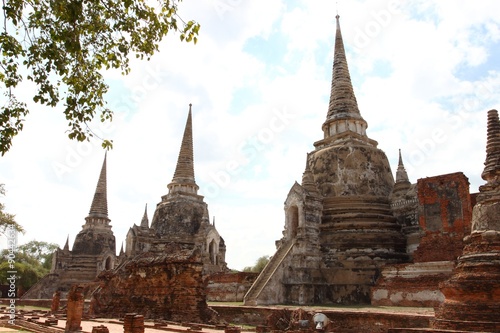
(133, 323)
(56, 300)
(74, 309)
(472, 294)
(100, 329)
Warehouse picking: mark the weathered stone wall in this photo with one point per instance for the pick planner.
(444, 218)
(445, 213)
(351, 170)
(94, 242)
(168, 286)
(229, 287)
(179, 219)
(411, 284)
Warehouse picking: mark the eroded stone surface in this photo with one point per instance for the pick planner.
(168, 286)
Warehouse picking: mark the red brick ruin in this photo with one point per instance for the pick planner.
(56, 300)
(473, 293)
(168, 286)
(74, 312)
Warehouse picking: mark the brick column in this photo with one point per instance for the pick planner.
(56, 299)
(133, 323)
(74, 310)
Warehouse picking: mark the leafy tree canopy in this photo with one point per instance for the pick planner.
(40, 251)
(31, 261)
(7, 220)
(61, 46)
(259, 265)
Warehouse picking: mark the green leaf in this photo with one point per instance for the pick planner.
(62, 45)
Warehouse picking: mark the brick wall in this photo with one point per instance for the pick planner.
(229, 287)
(445, 213)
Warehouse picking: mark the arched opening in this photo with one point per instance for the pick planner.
(109, 263)
(212, 250)
(293, 221)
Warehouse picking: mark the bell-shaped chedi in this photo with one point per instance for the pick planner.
(339, 227)
(472, 294)
(96, 236)
(182, 215)
(354, 177)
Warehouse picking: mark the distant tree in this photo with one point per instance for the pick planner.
(259, 265)
(7, 220)
(40, 251)
(26, 275)
(62, 46)
(31, 261)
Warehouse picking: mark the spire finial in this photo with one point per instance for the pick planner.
(99, 206)
(145, 220)
(66, 246)
(343, 112)
(342, 98)
(401, 175)
(184, 171)
(492, 163)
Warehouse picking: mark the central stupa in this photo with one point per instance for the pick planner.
(339, 228)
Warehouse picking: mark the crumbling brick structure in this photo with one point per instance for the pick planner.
(229, 287)
(352, 233)
(472, 294)
(168, 286)
(444, 215)
(74, 310)
(93, 250)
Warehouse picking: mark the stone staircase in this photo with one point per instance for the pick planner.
(266, 274)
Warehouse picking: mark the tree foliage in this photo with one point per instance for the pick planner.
(7, 220)
(40, 251)
(62, 46)
(32, 261)
(259, 265)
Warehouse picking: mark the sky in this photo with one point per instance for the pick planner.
(425, 73)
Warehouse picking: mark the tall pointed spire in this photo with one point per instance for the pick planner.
(183, 180)
(66, 246)
(492, 164)
(472, 294)
(99, 207)
(402, 180)
(343, 112)
(342, 98)
(145, 220)
(401, 175)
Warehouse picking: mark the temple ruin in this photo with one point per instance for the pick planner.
(93, 251)
(162, 274)
(180, 222)
(353, 234)
(181, 217)
(472, 294)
